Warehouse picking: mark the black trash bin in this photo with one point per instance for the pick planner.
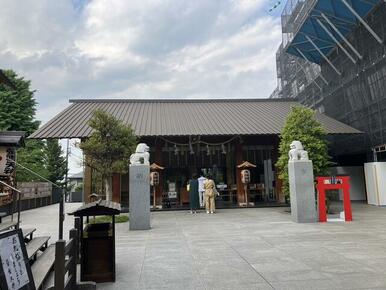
(98, 253)
(97, 242)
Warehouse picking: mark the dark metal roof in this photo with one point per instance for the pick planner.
(78, 175)
(12, 138)
(183, 117)
(100, 207)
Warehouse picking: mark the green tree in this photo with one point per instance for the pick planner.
(31, 156)
(54, 162)
(109, 147)
(18, 106)
(17, 113)
(301, 125)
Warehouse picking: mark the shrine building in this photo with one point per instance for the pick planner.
(195, 136)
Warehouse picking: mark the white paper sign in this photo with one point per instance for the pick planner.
(172, 194)
(172, 186)
(13, 262)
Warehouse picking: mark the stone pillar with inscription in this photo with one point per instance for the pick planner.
(139, 188)
(301, 183)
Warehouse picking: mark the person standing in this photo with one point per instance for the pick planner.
(193, 194)
(201, 190)
(210, 192)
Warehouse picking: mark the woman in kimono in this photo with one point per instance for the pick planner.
(194, 200)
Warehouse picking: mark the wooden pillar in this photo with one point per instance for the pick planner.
(280, 198)
(158, 160)
(116, 187)
(230, 168)
(87, 182)
(239, 160)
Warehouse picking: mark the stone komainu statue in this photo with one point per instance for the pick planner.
(141, 155)
(297, 152)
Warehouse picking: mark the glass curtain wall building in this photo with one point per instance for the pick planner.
(332, 58)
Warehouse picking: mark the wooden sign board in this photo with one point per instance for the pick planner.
(15, 270)
(7, 158)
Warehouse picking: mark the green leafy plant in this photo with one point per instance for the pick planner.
(55, 162)
(301, 125)
(108, 219)
(109, 147)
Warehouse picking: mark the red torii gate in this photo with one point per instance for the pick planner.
(328, 183)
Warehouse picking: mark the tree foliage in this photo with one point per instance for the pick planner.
(55, 163)
(301, 125)
(17, 113)
(44, 158)
(18, 106)
(31, 156)
(109, 147)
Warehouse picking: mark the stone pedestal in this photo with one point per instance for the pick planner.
(139, 197)
(302, 191)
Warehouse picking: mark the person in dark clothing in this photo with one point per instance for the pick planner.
(193, 194)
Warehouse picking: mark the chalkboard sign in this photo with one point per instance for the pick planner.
(15, 270)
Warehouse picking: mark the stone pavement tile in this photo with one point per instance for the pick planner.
(216, 252)
(238, 286)
(281, 276)
(279, 264)
(330, 262)
(161, 279)
(364, 253)
(306, 285)
(254, 256)
(359, 281)
(343, 267)
(229, 280)
(238, 272)
(118, 285)
(377, 265)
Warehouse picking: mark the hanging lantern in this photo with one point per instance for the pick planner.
(223, 149)
(207, 149)
(191, 148)
(175, 149)
(154, 178)
(245, 176)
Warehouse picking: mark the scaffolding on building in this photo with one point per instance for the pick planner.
(341, 73)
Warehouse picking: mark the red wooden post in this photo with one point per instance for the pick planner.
(346, 199)
(321, 200)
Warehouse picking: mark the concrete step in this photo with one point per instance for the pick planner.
(7, 226)
(43, 265)
(36, 244)
(28, 233)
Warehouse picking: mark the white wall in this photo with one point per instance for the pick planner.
(357, 180)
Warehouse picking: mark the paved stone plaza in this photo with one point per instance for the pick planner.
(244, 249)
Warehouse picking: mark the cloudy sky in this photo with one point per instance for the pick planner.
(140, 48)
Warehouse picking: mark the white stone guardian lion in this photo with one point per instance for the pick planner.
(297, 152)
(141, 155)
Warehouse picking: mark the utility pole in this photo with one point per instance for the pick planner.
(64, 194)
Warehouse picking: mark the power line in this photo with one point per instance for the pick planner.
(34, 173)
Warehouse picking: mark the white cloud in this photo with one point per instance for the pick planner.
(142, 49)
